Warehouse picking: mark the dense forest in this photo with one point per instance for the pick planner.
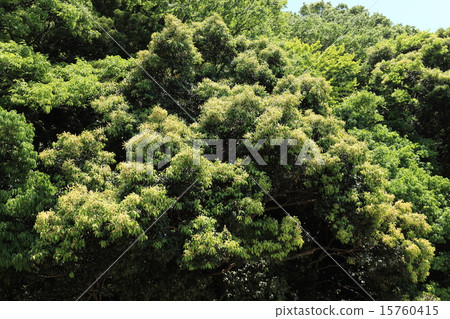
(83, 80)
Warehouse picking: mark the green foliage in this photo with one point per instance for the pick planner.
(69, 86)
(368, 111)
(18, 63)
(67, 30)
(80, 159)
(171, 58)
(242, 17)
(415, 89)
(23, 193)
(316, 92)
(411, 180)
(354, 27)
(18, 156)
(336, 66)
(44, 23)
(213, 39)
(249, 69)
(360, 110)
(344, 184)
(59, 98)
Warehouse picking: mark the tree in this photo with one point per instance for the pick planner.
(360, 110)
(23, 193)
(415, 95)
(86, 136)
(354, 27)
(69, 30)
(411, 179)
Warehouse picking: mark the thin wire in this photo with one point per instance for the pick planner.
(136, 240)
(139, 65)
(315, 241)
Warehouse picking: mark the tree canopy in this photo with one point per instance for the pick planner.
(365, 101)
